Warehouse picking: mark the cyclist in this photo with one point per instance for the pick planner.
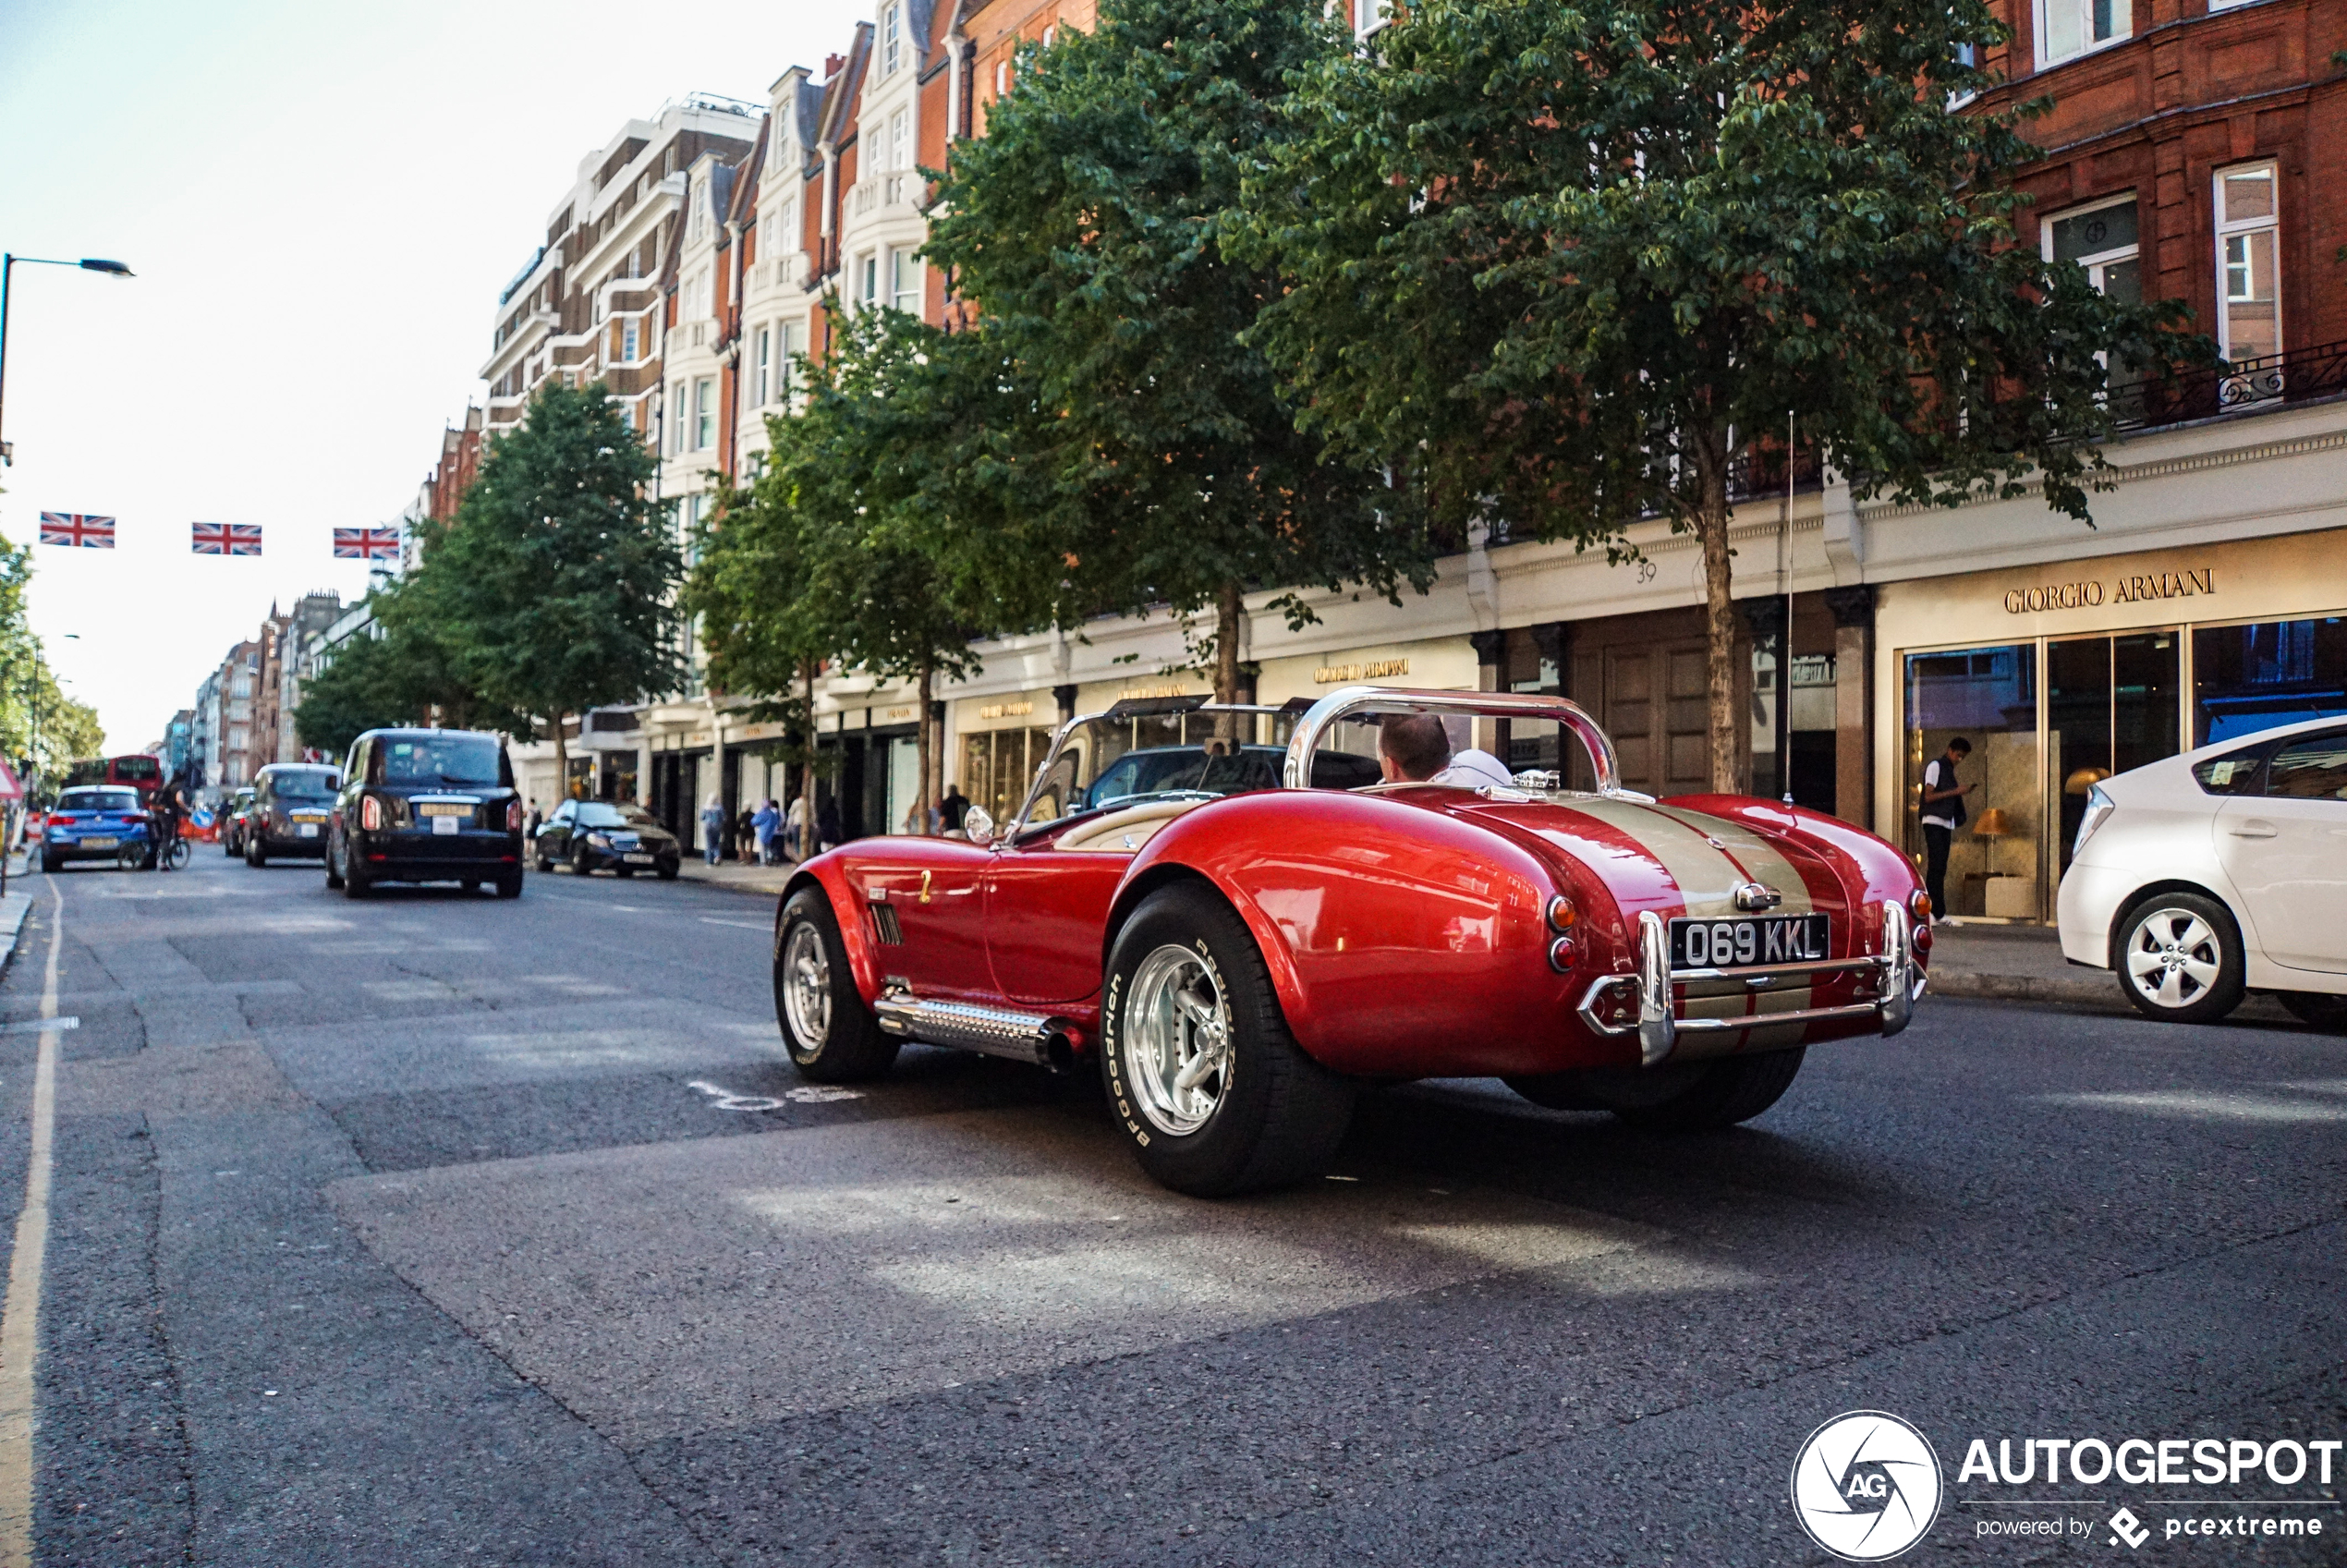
(168, 808)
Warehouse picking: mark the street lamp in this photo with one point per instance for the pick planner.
(8, 265)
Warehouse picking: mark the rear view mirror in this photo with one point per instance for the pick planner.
(977, 826)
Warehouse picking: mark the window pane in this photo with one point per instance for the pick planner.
(2078, 682)
(2312, 769)
(2249, 194)
(2253, 315)
(2256, 677)
(2092, 234)
(2065, 23)
(2236, 773)
(1990, 697)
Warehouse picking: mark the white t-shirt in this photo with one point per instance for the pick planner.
(1939, 776)
(1472, 768)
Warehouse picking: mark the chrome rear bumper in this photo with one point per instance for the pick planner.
(1659, 1024)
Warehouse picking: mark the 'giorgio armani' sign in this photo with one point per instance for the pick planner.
(2133, 588)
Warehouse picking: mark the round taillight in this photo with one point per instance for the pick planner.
(370, 813)
(1562, 914)
(1561, 954)
(1922, 938)
(1920, 902)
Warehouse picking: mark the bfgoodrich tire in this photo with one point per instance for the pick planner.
(2179, 958)
(832, 1035)
(1204, 1080)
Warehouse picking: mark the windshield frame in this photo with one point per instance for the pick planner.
(124, 791)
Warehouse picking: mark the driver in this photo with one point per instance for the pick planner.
(1416, 748)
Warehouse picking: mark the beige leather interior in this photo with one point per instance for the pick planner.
(1123, 832)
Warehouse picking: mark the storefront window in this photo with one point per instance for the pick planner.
(1989, 696)
(998, 765)
(2254, 677)
(2110, 706)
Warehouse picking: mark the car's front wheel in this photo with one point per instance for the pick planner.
(1205, 1080)
(256, 852)
(2180, 960)
(1688, 1097)
(832, 1035)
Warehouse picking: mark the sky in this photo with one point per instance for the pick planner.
(321, 202)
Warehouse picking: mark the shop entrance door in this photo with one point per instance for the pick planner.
(1655, 708)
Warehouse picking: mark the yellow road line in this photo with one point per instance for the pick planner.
(21, 1312)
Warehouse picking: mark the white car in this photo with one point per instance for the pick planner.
(2221, 871)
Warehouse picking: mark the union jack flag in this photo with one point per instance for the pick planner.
(226, 539)
(367, 545)
(77, 527)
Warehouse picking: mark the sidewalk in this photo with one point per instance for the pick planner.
(734, 877)
(2014, 964)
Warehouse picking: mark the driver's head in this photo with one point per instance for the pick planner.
(1412, 746)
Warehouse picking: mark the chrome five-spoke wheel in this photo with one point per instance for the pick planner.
(1177, 1040)
(807, 985)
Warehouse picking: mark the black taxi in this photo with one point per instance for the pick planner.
(426, 806)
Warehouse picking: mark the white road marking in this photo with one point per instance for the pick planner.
(30, 1026)
(21, 1312)
(817, 1095)
(726, 1099)
(745, 925)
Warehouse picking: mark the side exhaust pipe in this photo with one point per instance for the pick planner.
(1034, 1037)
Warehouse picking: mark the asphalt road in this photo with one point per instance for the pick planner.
(439, 1229)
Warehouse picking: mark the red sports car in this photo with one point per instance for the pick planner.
(1237, 958)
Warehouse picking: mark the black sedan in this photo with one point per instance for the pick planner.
(291, 802)
(426, 806)
(588, 836)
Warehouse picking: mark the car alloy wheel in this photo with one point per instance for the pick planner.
(807, 985)
(1176, 1040)
(2179, 958)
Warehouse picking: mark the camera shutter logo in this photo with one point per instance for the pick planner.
(1866, 1486)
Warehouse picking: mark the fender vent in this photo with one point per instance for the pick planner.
(884, 924)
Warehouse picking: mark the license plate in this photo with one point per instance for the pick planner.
(443, 808)
(1749, 941)
(445, 827)
(100, 842)
(305, 830)
(640, 859)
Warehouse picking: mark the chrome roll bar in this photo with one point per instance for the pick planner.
(1296, 774)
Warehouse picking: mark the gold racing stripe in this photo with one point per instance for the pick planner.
(1762, 862)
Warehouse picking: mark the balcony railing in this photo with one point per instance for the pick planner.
(2271, 381)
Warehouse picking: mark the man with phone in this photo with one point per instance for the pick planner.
(1942, 815)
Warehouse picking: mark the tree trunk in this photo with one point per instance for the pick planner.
(806, 844)
(1228, 614)
(925, 749)
(1718, 609)
(562, 761)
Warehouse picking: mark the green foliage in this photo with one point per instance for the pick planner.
(37, 719)
(551, 593)
(1571, 263)
(399, 672)
(1156, 460)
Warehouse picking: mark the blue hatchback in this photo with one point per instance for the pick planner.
(92, 823)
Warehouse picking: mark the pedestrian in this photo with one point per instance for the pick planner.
(953, 811)
(767, 819)
(1943, 813)
(745, 834)
(793, 827)
(712, 829)
(827, 829)
(537, 819)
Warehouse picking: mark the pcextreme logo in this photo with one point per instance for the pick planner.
(1865, 1485)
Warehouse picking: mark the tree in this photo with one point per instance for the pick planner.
(553, 591)
(39, 724)
(401, 673)
(1571, 265)
(1086, 225)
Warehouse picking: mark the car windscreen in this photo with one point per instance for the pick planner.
(603, 814)
(310, 783)
(454, 761)
(98, 801)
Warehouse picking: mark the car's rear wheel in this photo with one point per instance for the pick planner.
(1687, 1097)
(1206, 1083)
(2314, 1007)
(2179, 957)
(510, 886)
(832, 1035)
(52, 864)
(334, 875)
(256, 852)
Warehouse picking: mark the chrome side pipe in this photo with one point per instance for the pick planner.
(1037, 1039)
